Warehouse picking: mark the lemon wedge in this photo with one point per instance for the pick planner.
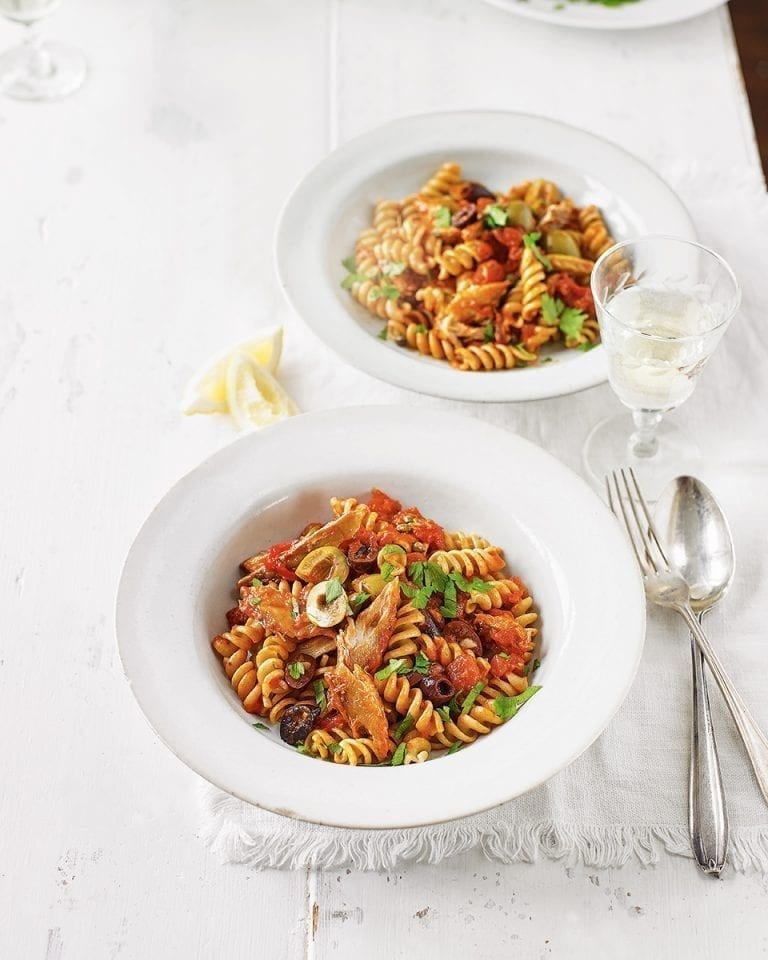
(206, 391)
(254, 398)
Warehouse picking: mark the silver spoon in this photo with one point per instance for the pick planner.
(699, 545)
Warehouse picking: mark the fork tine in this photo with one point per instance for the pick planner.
(648, 518)
(650, 562)
(624, 516)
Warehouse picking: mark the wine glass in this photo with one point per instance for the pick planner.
(38, 70)
(662, 304)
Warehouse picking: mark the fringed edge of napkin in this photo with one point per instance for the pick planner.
(294, 845)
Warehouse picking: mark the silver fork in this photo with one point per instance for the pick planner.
(667, 588)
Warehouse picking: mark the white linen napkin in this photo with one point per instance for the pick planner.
(627, 795)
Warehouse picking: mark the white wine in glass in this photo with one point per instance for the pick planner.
(38, 70)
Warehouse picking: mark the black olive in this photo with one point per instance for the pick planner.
(437, 689)
(430, 626)
(299, 670)
(464, 216)
(459, 631)
(473, 191)
(297, 723)
(362, 556)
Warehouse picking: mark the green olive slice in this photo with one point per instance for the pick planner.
(323, 563)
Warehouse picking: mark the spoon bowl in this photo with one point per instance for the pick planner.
(698, 540)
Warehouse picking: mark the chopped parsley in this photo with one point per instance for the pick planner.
(301, 748)
(335, 747)
(392, 667)
(475, 585)
(334, 590)
(320, 698)
(572, 322)
(531, 240)
(445, 713)
(260, 726)
(294, 608)
(421, 664)
(586, 346)
(489, 333)
(398, 757)
(404, 726)
(507, 707)
(496, 215)
(554, 313)
(256, 582)
(382, 334)
(296, 670)
(386, 571)
(470, 698)
(449, 608)
(349, 264)
(442, 218)
(358, 600)
(420, 328)
(455, 747)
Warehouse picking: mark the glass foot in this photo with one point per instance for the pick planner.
(44, 72)
(607, 447)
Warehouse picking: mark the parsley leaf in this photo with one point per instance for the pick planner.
(572, 321)
(445, 712)
(382, 334)
(320, 698)
(386, 571)
(489, 333)
(260, 726)
(421, 598)
(351, 279)
(496, 215)
(296, 669)
(507, 707)
(442, 218)
(256, 582)
(388, 291)
(358, 600)
(531, 240)
(398, 757)
(335, 748)
(455, 747)
(392, 667)
(421, 665)
(586, 346)
(449, 608)
(349, 264)
(301, 748)
(470, 698)
(551, 308)
(475, 584)
(294, 608)
(334, 590)
(404, 726)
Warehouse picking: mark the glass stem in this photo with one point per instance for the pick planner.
(644, 442)
(39, 64)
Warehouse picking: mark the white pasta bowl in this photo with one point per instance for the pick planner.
(557, 535)
(333, 204)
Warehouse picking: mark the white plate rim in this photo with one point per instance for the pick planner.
(625, 21)
(179, 738)
(312, 295)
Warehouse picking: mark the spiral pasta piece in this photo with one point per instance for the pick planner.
(406, 633)
(410, 701)
(270, 667)
(532, 278)
(340, 747)
(490, 356)
(458, 540)
(472, 562)
(597, 239)
(502, 593)
(445, 180)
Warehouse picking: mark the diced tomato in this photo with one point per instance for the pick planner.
(502, 629)
(429, 532)
(482, 203)
(236, 617)
(273, 563)
(463, 672)
(503, 665)
(382, 504)
(329, 720)
(572, 294)
(491, 271)
(527, 330)
(512, 238)
(483, 251)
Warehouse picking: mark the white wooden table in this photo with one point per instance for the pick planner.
(135, 239)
